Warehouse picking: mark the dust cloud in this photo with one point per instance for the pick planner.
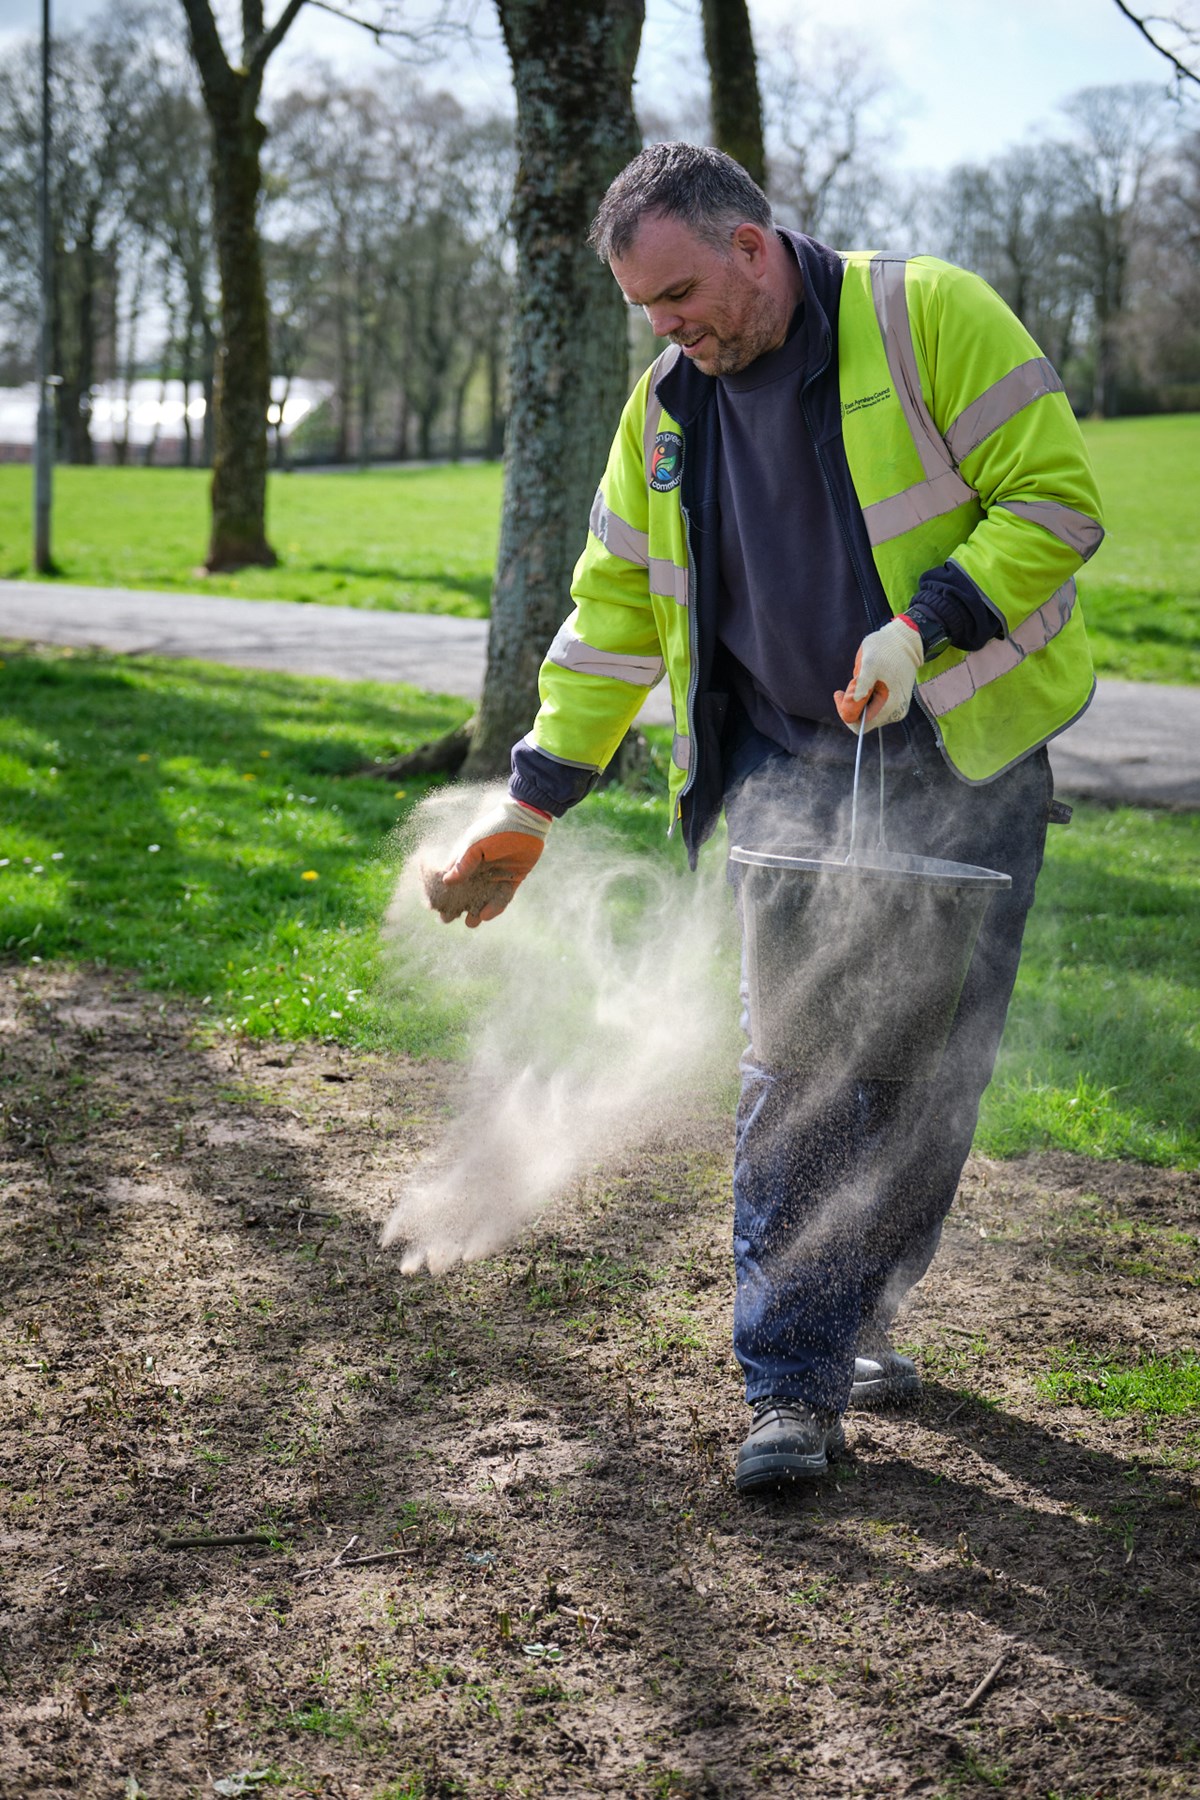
(601, 1004)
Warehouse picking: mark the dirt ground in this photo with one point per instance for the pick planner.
(502, 1553)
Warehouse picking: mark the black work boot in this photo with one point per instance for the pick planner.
(882, 1377)
(787, 1442)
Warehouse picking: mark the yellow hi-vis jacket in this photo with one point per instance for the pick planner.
(961, 447)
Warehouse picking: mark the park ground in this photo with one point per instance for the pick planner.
(500, 1549)
(495, 1546)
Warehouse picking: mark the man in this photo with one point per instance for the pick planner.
(851, 478)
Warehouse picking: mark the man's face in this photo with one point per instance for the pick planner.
(716, 307)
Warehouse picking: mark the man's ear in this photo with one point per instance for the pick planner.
(749, 244)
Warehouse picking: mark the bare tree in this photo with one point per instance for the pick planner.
(232, 90)
(1007, 221)
(1108, 164)
(98, 90)
(828, 137)
(171, 202)
(1176, 36)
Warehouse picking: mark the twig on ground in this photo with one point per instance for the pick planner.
(985, 1686)
(224, 1540)
(342, 1561)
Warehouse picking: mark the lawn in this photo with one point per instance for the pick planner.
(234, 859)
(1141, 592)
(424, 540)
(404, 540)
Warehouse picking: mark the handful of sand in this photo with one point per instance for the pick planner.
(451, 899)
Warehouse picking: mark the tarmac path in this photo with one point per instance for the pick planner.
(1137, 744)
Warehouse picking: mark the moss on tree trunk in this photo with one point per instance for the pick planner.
(242, 388)
(573, 63)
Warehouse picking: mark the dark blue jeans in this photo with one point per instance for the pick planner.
(841, 1184)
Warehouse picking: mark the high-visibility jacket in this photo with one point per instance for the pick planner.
(961, 448)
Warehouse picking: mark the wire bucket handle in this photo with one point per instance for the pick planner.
(880, 844)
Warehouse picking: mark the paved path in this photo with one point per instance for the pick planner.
(1137, 742)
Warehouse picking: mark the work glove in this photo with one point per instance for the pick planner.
(885, 670)
(490, 863)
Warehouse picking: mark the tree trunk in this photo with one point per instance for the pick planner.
(573, 72)
(737, 124)
(242, 389)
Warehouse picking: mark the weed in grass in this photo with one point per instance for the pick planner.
(1156, 1385)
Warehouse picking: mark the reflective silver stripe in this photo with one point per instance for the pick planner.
(997, 658)
(1084, 535)
(915, 506)
(891, 309)
(570, 652)
(654, 406)
(667, 577)
(681, 752)
(565, 761)
(618, 536)
(1000, 403)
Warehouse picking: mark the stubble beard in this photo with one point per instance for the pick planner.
(763, 328)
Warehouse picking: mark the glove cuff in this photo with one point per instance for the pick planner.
(518, 815)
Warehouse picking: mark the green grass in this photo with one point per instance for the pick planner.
(1141, 591)
(195, 824)
(1157, 1385)
(191, 822)
(1102, 1052)
(403, 540)
(424, 540)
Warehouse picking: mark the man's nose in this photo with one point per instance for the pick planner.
(663, 320)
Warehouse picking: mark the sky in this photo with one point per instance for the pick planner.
(966, 81)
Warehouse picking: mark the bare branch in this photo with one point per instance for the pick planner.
(1182, 71)
(270, 42)
(429, 32)
(209, 52)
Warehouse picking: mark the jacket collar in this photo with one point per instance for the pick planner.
(685, 390)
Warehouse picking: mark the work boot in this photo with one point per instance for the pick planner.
(787, 1442)
(882, 1377)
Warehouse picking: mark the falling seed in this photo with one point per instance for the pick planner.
(153, 847)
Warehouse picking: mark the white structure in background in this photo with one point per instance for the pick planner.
(149, 412)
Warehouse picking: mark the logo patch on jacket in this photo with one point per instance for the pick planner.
(666, 464)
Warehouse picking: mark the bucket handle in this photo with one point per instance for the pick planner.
(879, 841)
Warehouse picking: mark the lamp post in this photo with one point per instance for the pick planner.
(43, 562)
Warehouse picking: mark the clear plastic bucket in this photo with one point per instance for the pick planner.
(857, 964)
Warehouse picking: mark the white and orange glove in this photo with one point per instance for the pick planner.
(885, 672)
(490, 862)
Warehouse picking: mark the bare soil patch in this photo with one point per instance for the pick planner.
(201, 1337)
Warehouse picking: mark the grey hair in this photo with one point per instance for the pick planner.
(703, 188)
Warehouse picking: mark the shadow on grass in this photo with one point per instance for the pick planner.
(477, 587)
